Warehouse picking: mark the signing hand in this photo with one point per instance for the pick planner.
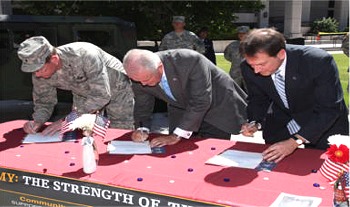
(248, 129)
(139, 136)
(53, 128)
(280, 150)
(165, 140)
(31, 127)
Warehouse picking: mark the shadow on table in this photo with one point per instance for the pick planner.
(301, 162)
(108, 159)
(13, 139)
(75, 174)
(182, 146)
(104, 160)
(231, 177)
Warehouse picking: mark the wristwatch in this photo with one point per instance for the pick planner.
(297, 140)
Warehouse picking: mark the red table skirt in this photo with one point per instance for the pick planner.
(168, 174)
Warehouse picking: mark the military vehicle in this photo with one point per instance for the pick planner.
(112, 34)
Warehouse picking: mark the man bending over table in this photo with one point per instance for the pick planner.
(96, 79)
(294, 94)
(201, 97)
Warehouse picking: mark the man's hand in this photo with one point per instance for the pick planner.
(280, 150)
(53, 128)
(248, 129)
(31, 127)
(139, 136)
(165, 140)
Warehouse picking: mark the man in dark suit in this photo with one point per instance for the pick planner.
(294, 94)
(201, 98)
(208, 43)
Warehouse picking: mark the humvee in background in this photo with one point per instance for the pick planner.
(112, 34)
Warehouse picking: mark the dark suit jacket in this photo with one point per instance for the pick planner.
(314, 96)
(203, 92)
(209, 50)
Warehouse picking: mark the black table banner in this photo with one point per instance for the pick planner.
(22, 188)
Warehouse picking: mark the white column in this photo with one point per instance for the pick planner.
(292, 18)
(341, 13)
(264, 15)
(5, 7)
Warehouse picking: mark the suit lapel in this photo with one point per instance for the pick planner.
(291, 78)
(174, 85)
(162, 94)
(173, 80)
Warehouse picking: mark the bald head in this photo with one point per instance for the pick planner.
(143, 66)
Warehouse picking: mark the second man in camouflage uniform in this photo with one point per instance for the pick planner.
(181, 38)
(232, 54)
(97, 81)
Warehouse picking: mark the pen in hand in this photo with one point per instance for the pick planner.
(141, 127)
(249, 127)
(144, 131)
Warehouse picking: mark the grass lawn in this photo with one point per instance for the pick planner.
(341, 60)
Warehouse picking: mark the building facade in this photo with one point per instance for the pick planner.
(294, 17)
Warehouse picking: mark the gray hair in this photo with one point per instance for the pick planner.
(137, 59)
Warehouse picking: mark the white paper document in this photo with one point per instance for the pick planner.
(129, 147)
(236, 158)
(39, 138)
(290, 200)
(257, 138)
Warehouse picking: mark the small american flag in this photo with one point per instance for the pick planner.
(332, 170)
(68, 121)
(345, 181)
(101, 125)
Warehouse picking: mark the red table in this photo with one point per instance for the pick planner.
(168, 174)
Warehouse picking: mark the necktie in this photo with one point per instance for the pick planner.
(166, 88)
(293, 126)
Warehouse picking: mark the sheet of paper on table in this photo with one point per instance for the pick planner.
(129, 147)
(290, 200)
(257, 138)
(39, 138)
(237, 158)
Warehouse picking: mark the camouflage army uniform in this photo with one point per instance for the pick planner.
(97, 81)
(232, 54)
(187, 40)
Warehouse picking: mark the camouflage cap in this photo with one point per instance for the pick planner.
(179, 19)
(243, 29)
(33, 53)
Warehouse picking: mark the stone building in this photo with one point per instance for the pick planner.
(294, 17)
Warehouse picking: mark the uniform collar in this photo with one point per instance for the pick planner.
(64, 59)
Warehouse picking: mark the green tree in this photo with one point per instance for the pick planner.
(152, 18)
(325, 25)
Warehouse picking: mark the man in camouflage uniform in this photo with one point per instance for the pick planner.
(231, 54)
(181, 38)
(97, 81)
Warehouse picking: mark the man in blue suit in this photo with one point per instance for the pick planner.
(294, 94)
